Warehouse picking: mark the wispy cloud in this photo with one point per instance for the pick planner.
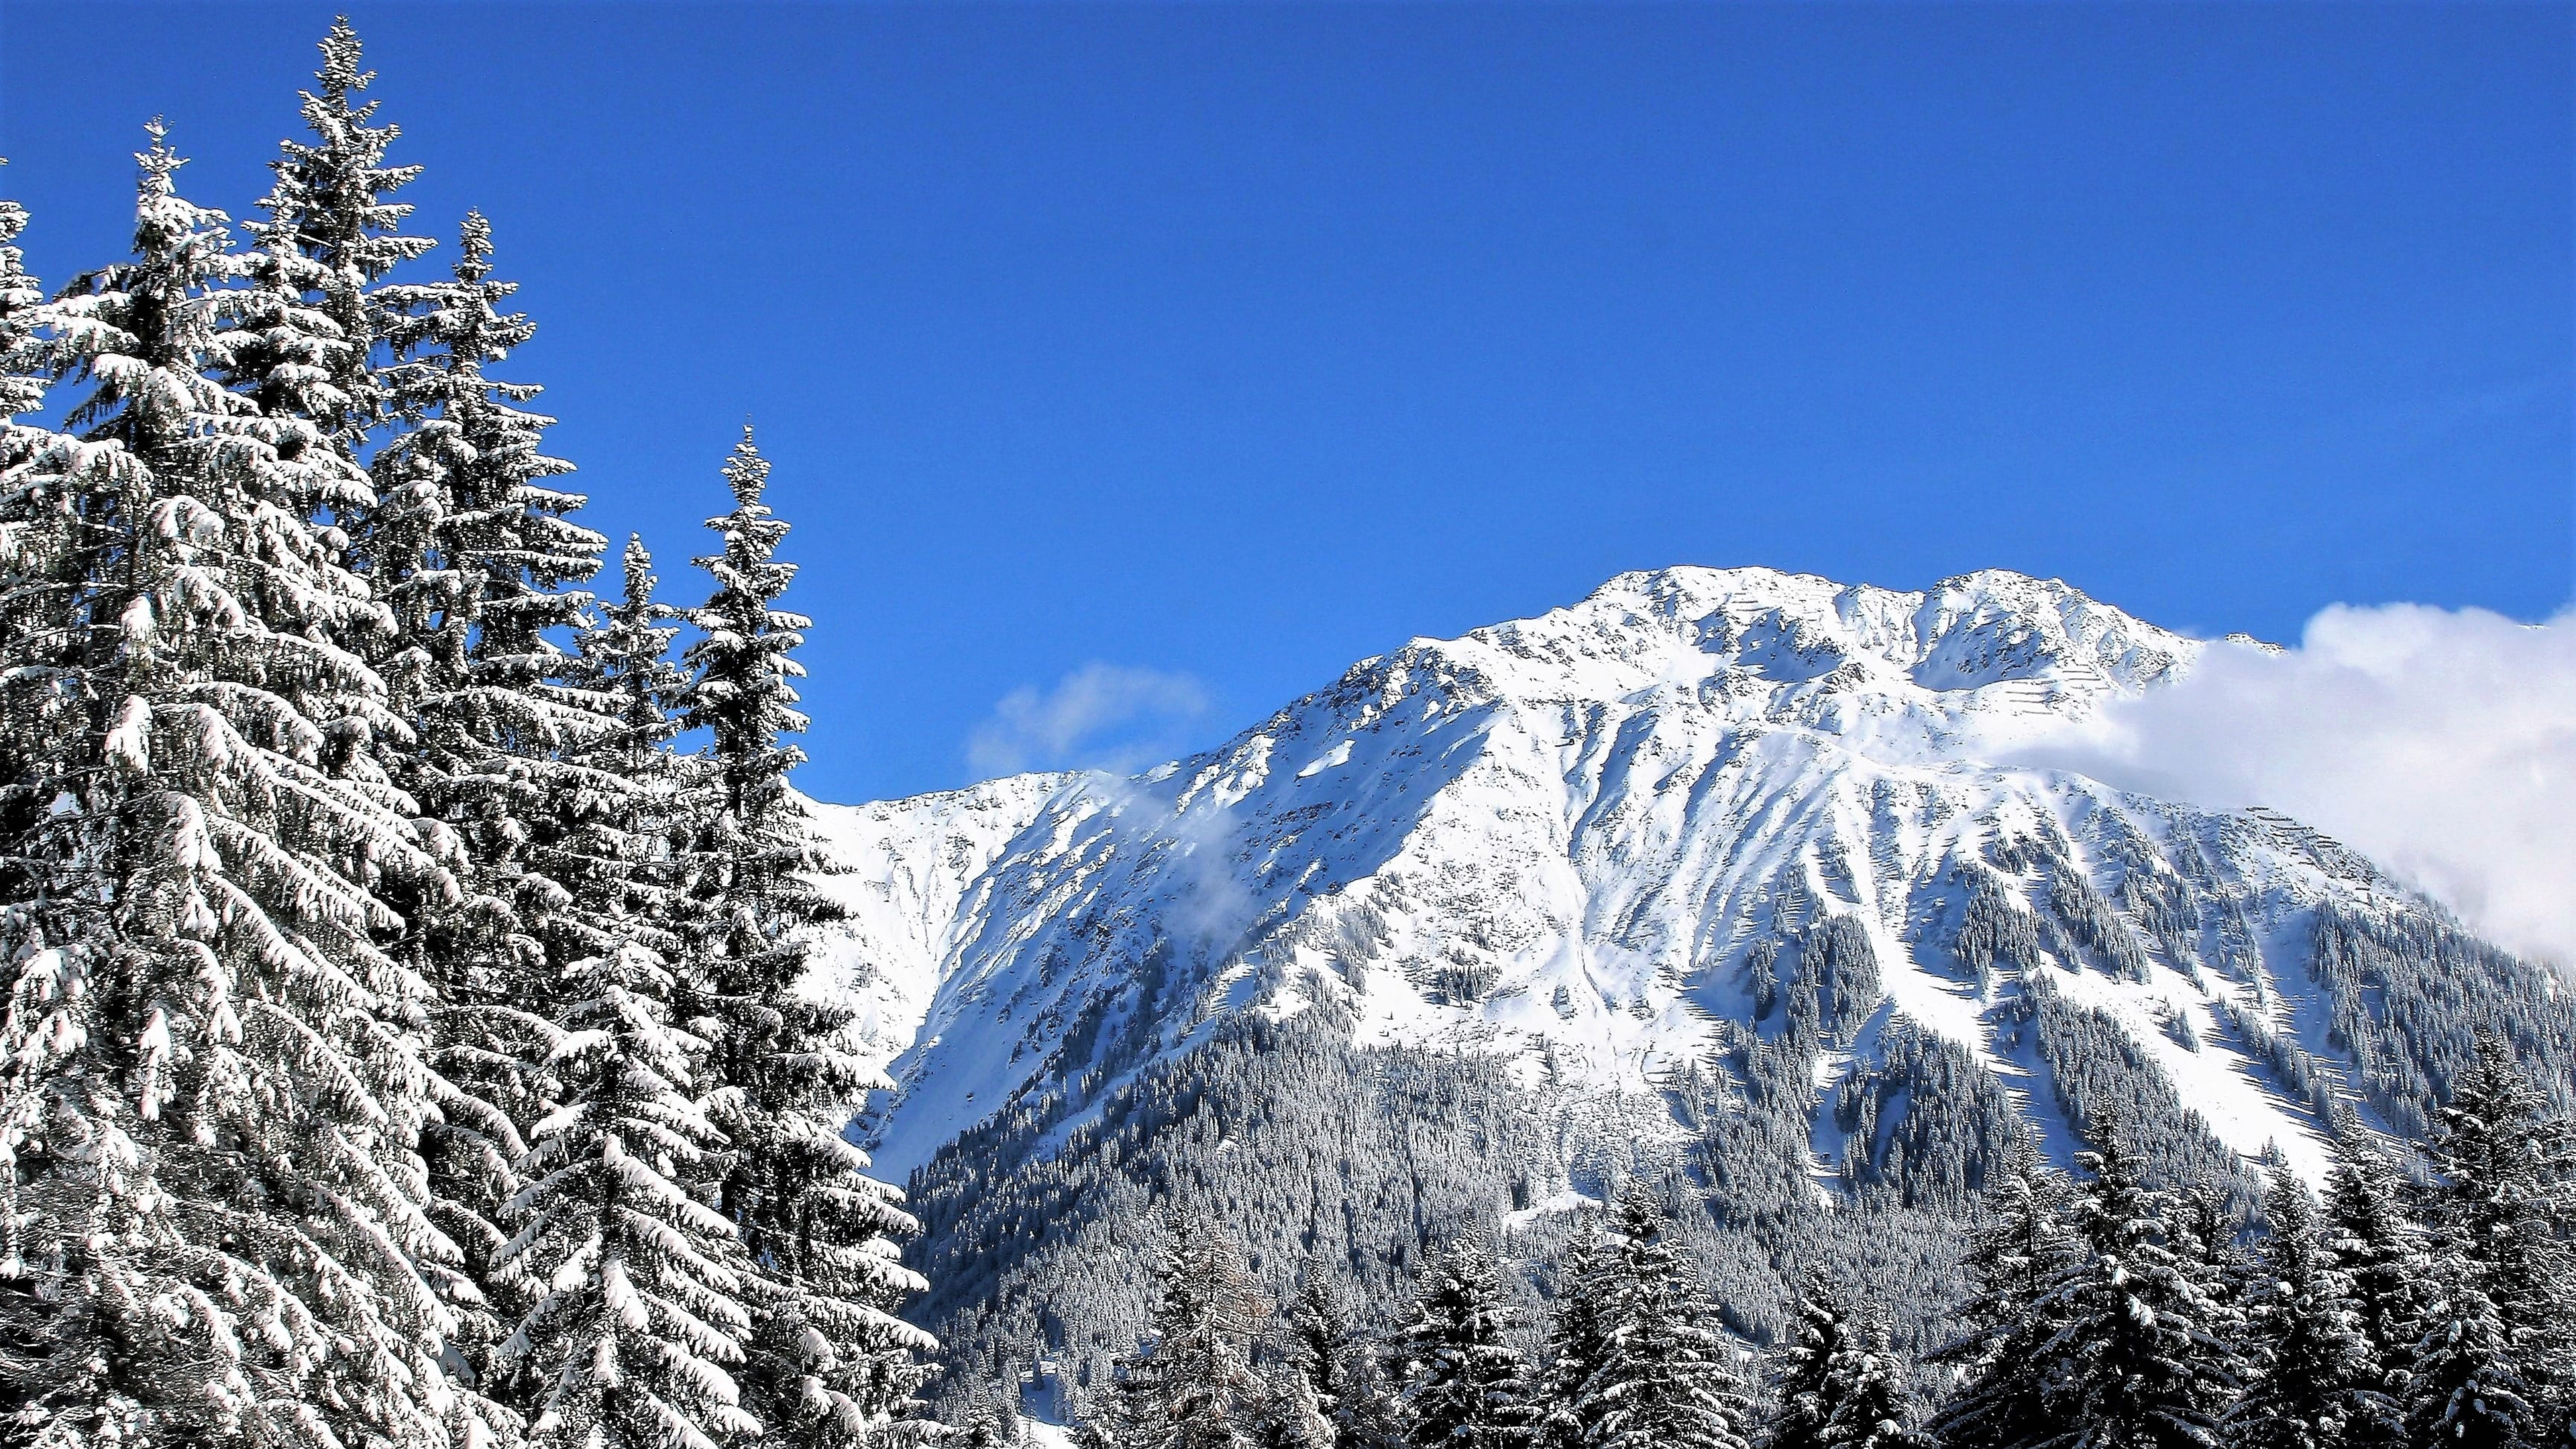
(1100, 717)
(2441, 744)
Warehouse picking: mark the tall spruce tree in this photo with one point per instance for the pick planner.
(66, 1137)
(1465, 1385)
(2378, 1249)
(1872, 1394)
(2022, 1250)
(1803, 1385)
(327, 235)
(1341, 1364)
(2137, 1366)
(1192, 1385)
(2203, 1230)
(2466, 1388)
(220, 1230)
(829, 1360)
(645, 1284)
(1578, 1342)
(616, 818)
(41, 537)
(1646, 1364)
(2309, 1361)
(643, 1308)
(2495, 1334)
(472, 551)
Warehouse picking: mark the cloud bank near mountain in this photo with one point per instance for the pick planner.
(1099, 717)
(2440, 743)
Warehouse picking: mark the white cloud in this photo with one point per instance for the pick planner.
(1101, 717)
(2440, 744)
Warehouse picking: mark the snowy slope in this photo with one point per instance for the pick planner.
(1566, 839)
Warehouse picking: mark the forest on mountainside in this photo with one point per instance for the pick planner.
(2098, 1309)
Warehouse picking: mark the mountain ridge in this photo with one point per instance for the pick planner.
(1717, 878)
(1802, 725)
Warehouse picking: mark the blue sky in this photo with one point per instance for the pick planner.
(1130, 370)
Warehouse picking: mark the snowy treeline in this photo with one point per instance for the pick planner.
(2399, 1312)
(402, 1042)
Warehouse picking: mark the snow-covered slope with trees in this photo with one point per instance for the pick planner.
(1630, 845)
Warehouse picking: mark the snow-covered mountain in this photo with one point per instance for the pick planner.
(1581, 843)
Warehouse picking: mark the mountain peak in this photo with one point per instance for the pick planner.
(1714, 867)
(1911, 668)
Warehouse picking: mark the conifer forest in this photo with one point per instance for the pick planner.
(413, 1041)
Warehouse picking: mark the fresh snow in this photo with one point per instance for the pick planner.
(1557, 839)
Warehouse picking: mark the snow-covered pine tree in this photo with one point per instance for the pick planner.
(473, 550)
(645, 1285)
(24, 374)
(989, 1425)
(2307, 1358)
(1578, 1342)
(617, 807)
(829, 1360)
(2378, 1249)
(1340, 1363)
(2136, 1366)
(327, 235)
(1465, 1385)
(1802, 1367)
(2022, 1249)
(1662, 1372)
(65, 1134)
(2203, 1230)
(220, 1230)
(2466, 1388)
(1291, 1415)
(1872, 1394)
(39, 543)
(1191, 1386)
(474, 547)
(2495, 1337)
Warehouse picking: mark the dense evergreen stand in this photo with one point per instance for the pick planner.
(401, 1043)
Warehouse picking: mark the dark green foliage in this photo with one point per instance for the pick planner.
(1347, 1164)
(1466, 1385)
(1636, 1360)
(2135, 1364)
(1321, 1340)
(2380, 1253)
(1804, 1388)
(2077, 915)
(2100, 1075)
(2406, 993)
(1837, 976)
(827, 1360)
(2309, 1363)
(2495, 1362)
(1993, 929)
(2023, 1250)
(1873, 1402)
(2093, 924)
(1929, 1122)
